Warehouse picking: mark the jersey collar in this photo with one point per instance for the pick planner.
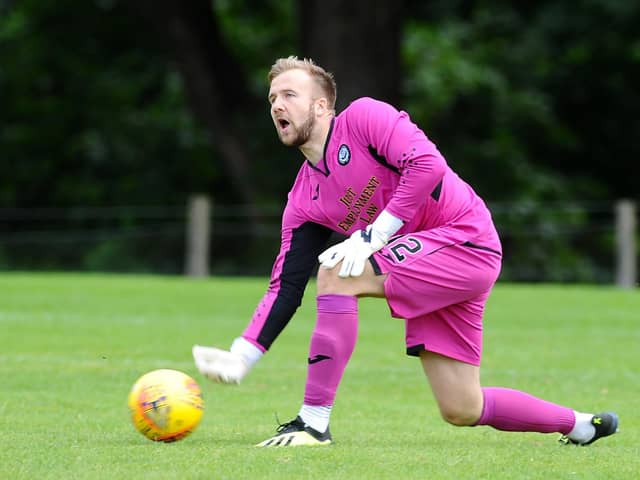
(325, 170)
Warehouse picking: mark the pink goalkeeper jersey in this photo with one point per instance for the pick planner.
(375, 158)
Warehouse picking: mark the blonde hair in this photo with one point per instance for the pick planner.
(322, 78)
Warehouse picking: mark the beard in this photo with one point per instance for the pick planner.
(302, 133)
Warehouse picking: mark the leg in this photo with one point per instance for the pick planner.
(462, 402)
(455, 386)
(334, 335)
(406, 260)
(446, 332)
(333, 339)
(332, 343)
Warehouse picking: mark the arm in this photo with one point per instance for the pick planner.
(400, 145)
(290, 274)
(291, 271)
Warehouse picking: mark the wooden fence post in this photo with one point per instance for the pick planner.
(626, 267)
(198, 236)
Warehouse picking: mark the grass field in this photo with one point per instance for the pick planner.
(71, 346)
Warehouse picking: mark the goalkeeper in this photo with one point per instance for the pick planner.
(417, 235)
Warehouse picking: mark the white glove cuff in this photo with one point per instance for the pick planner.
(386, 225)
(247, 350)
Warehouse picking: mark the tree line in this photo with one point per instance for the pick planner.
(142, 102)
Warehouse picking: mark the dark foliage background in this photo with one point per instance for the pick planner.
(112, 113)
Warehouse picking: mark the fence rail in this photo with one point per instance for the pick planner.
(550, 242)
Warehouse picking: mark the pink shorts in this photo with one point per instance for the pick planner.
(440, 289)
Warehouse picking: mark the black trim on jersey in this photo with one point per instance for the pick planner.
(437, 191)
(480, 247)
(307, 242)
(415, 350)
(326, 171)
(374, 263)
(382, 160)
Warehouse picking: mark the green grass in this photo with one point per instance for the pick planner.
(71, 346)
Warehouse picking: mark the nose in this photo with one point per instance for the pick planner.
(277, 106)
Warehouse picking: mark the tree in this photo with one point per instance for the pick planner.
(211, 75)
(144, 102)
(359, 41)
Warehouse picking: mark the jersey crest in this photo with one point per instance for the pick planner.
(344, 154)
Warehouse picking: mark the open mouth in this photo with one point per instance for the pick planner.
(283, 124)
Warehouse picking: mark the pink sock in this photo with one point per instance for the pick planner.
(332, 343)
(514, 411)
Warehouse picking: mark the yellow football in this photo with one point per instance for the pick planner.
(166, 405)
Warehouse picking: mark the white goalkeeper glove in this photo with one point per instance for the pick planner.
(226, 366)
(355, 250)
(220, 365)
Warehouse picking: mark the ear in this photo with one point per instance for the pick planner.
(321, 106)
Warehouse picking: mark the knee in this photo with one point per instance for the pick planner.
(460, 415)
(367, 284)
(328, 281)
